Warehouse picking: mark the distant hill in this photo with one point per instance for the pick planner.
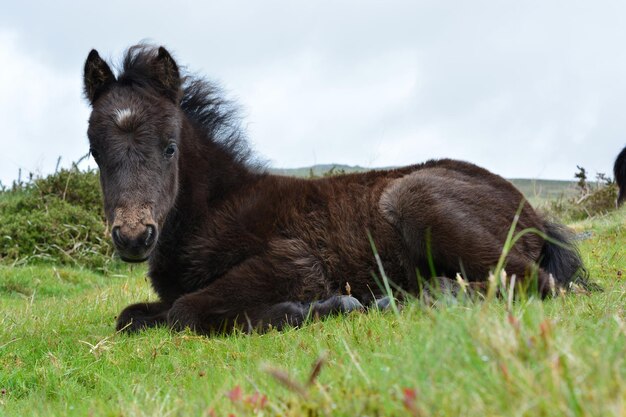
(536, 191)
(318, 170)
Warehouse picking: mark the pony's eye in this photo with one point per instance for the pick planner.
(94, 153)
(170, 150)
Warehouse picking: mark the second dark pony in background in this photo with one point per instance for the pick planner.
(619, 170)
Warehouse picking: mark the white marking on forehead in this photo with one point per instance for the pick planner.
(122, 115)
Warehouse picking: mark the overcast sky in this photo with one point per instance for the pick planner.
(524, 88)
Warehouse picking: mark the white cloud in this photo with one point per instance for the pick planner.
(303, 109)
(526, 89)
(41, 113)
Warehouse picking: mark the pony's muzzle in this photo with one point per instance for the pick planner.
(134, 245)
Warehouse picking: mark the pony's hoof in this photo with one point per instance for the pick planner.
(336, 305)
(349, 303)
(384, 304)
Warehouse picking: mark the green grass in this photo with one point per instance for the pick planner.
(59, 354)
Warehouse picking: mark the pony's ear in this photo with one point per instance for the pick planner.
(167, 75)
(98, 76)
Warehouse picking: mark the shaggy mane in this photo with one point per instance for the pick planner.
(202, 101)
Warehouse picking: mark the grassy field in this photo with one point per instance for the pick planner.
(541, 191)
(60, 355)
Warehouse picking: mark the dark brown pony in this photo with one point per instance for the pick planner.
(619, 170)
(230, 245)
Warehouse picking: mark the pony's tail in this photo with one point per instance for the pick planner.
(560, 257)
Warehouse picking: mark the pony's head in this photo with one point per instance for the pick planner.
(134, 136)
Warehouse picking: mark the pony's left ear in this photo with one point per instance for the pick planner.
(167, 74)
(97, 77)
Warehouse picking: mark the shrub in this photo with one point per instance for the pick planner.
(592, 199)
(79, 188)
(57, 219)
(332, 172)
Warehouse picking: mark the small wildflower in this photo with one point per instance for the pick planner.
(409, 394)
(514, 322)
(545, 330)
(235, 394)
(257, 400)
(409, 401)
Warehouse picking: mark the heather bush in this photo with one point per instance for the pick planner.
(593, 199)
(56, 219)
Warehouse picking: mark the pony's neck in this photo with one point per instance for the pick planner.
(208, 171)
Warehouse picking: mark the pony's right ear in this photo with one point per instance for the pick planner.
(98, 76)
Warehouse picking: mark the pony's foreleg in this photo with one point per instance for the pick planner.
(142, 315)
(260, 293)
(293, 313)
(214, 310)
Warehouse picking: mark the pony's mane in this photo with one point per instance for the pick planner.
(202, 101)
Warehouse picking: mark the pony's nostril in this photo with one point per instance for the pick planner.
(117, 237)
(150, 235)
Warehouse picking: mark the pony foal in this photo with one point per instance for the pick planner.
(230, 245)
